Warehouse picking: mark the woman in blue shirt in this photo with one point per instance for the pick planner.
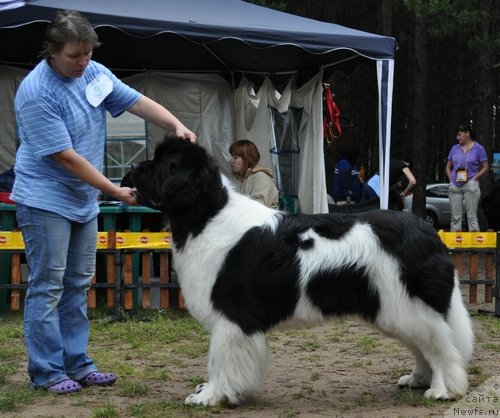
(61, 114)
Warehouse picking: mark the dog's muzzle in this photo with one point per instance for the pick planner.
(147, 202)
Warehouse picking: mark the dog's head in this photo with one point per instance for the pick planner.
(180, 178)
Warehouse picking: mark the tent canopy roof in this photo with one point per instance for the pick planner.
(197, 36)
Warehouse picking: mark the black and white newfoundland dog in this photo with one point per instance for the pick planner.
(244, 269)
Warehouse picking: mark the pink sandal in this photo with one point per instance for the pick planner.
(65, 386)
(98, 379)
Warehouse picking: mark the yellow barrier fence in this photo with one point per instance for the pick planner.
(476, 258)
(13, 240)
(120, 281)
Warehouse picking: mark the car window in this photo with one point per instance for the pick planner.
(438, 191)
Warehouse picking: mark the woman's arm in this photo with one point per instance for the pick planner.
(449, 166)
(411, 181)
(81, 168)
(485, 167)
(158, 115)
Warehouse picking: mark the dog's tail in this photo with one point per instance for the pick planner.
(460, 323)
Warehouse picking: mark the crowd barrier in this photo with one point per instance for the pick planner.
(127, 276)
(477, 260)
(129, 256)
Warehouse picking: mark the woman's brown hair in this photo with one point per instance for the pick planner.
(247, 150)
(68, 26)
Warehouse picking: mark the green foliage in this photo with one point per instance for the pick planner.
(108, 411)
(448, 18)
(133, 389)
(411, 397)
(16, 397)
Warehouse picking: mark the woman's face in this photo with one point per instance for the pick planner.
(462, 137)
(237, 164)
(72, 60)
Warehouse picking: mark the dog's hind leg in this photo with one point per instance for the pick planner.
(449, 376)
(450, 350)
(237, 364)
(461, 338)
(421, 374)
(435, 349)
(459, 320)
(432, 338)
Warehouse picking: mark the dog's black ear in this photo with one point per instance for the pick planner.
(177, 189)
(187, 183)
(190, 178)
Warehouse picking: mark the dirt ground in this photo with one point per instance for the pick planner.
(342, 369)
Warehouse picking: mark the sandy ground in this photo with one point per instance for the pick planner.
(342, 369)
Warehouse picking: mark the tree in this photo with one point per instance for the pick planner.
(419, 134)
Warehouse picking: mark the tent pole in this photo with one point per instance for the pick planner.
(385, 79)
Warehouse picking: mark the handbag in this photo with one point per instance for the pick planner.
(331, 116)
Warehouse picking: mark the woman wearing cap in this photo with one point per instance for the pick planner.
(467, 162)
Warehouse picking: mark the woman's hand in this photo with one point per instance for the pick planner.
(185, 133)
(126, 195)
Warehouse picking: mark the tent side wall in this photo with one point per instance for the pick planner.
(10, 78)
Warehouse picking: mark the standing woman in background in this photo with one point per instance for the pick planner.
(467, 162)
(61, 116)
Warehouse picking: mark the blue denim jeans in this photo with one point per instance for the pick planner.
(61, 257)
(467, 195)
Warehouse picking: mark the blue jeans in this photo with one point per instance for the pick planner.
(61, 257)
(469, 195)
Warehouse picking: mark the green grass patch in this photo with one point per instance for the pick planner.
(108, 411)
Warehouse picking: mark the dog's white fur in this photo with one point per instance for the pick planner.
(442, 344)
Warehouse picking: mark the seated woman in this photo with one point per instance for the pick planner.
(250, 178)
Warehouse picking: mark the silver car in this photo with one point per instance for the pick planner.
(437, 205)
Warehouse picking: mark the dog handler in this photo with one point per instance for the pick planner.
(61, 115)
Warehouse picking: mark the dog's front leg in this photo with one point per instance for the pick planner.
(236, 367)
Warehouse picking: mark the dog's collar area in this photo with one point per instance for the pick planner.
(147, 202)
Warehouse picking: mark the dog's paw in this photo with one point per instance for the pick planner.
(405, 380)
(200, 387)
(413, 381)
(204, 395)
(436, 394)
(202, 399)
(194, 399)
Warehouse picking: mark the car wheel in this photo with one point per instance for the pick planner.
(431, 219)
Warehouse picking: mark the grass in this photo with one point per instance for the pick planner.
(140, 350)
(150, 349)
